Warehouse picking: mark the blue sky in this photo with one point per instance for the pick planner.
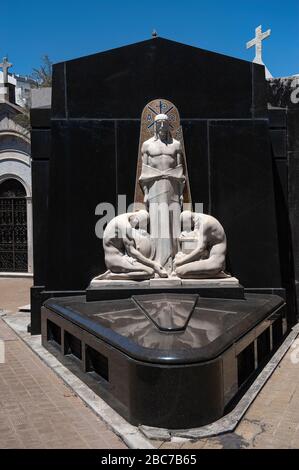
(67, 29)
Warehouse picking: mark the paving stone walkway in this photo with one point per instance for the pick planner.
(271, 422)
(14, 293)
(37, 410)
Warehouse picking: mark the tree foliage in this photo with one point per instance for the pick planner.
(43, 74)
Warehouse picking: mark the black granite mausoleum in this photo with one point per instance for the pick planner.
(241, 142)
(241, 139)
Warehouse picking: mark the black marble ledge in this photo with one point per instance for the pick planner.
(94, 293)
(214, 325)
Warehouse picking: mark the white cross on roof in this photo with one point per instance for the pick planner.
(257, 42)
(5, 66)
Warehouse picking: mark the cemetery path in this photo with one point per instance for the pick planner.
(37, 410)
(14, 293)
(271, 422)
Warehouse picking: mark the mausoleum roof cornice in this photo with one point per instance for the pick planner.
(156, 44)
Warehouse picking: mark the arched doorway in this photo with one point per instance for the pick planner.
(13, 227)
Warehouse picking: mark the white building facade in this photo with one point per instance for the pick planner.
(16, 254)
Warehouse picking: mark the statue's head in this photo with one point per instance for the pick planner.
(162, 126)
(139, 219)
(187, 221)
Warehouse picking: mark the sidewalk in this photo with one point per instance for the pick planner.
(272, 421)
(14, 293)
(36, 409)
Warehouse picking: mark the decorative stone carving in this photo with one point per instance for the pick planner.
(147, 130)
(179, 245)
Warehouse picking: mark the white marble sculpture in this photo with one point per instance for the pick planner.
(178, 246)
(162, 180)
(127, 249)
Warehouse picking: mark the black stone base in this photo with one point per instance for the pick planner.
(38, 295)
(173, 361)
(114, 293)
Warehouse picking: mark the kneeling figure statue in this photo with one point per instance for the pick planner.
(203, 247)
(127, 249)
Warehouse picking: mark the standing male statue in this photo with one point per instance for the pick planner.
(162, 180)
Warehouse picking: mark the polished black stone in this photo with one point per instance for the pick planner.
(95, 161)
(40, 144)
(197, 151)
(213, 326)
(279, 143)
(168, 312)
(294, 215)
(259, 92)
(83, 175)
(123, 80)
(173, 379)
(40, 118)
(59, 90)
(277, 118)
(126, 143)
(226, 188)
(284, 232)
(242, 195)
(226, 133)
(40, 188)
(293, 130)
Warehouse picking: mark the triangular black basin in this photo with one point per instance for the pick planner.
(168, 312)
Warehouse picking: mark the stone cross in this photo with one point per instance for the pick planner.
(5, 66)
(257, 42)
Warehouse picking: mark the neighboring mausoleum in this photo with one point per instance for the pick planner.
(167, 304)
(16, 251)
